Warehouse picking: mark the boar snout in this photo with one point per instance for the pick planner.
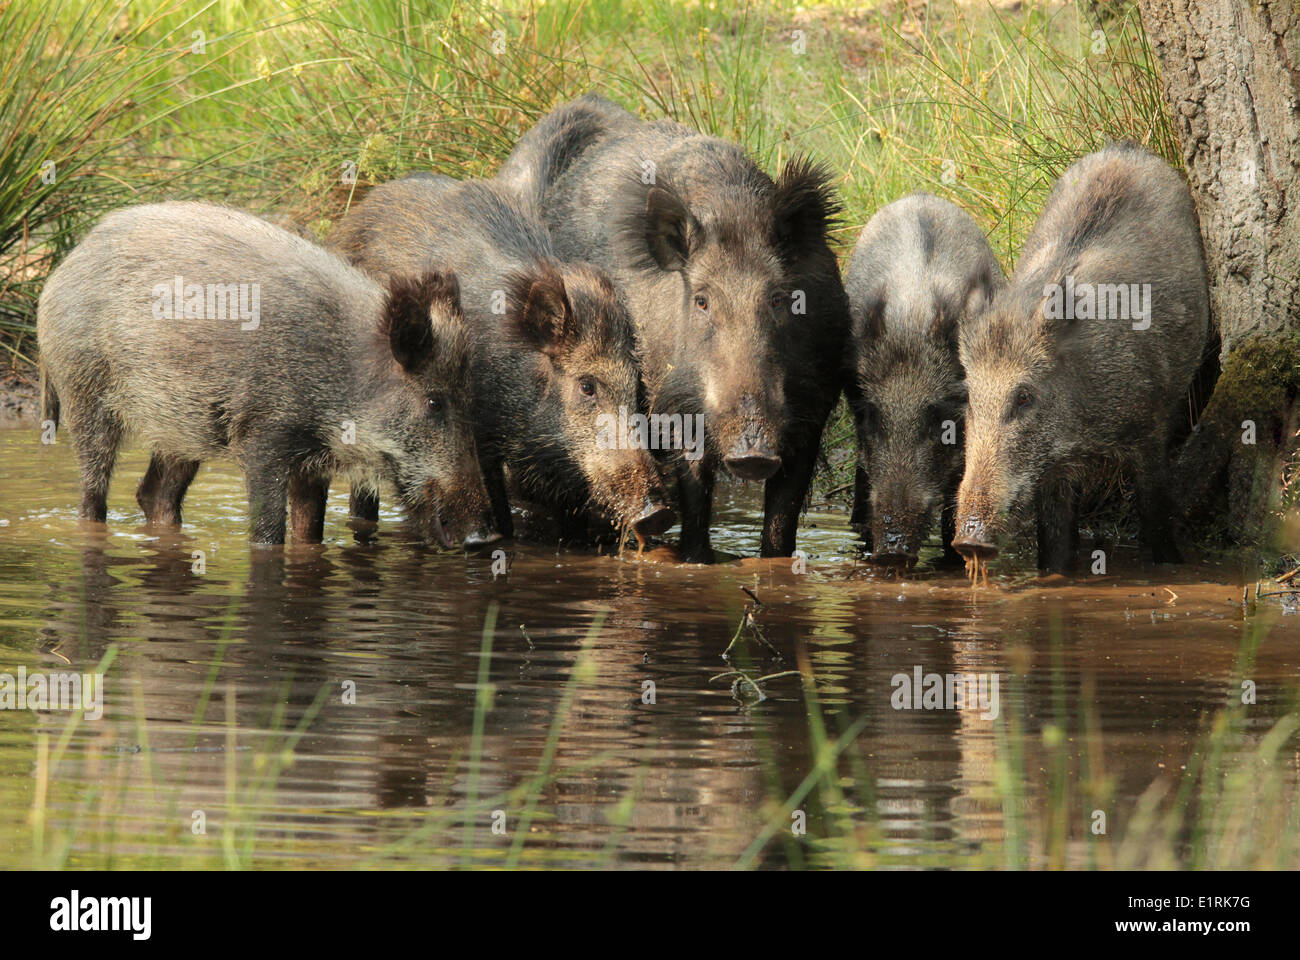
(753, 456)
(464, 517)
(654, 520)
(974, 541)
(626, 487)
(445, 515)
(428, 520)
(897, 542)
(752, 460)
(902, 505)
(977, 520)
(482, 536)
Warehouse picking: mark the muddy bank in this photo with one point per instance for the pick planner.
(20, 398)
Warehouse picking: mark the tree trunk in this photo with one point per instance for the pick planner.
(1231, 73)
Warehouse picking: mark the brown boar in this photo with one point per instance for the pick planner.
(554, 347)
(1084, 357)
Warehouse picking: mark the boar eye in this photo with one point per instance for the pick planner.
(1023, 398)
(702, 302)
(434, 405)
(778, 300)
(587, 386)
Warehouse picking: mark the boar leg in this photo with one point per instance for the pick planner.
(266, 476)
(163, 488)
(1058, 528)
(494, 478)
(97, 435)
(785, 492)
(1155, 505)
(860, 519)
(307, 496)
(696, 497)
(363, 505)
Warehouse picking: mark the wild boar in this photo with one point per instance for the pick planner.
(921, 269)
(554, 351)
(736, 296)
(1085, 357)
(206, 332)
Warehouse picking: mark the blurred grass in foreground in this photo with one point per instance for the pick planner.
(1231, 806)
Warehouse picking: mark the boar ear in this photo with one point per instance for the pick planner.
(667, 228)
(943, 326)
(407, 319)
(869, 316)
(541, 316)
(979, 297)
(1053, 310)
(803, 207)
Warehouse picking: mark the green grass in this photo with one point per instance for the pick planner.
(983, 106)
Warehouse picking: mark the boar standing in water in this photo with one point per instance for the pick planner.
(921, 270)
(1085, 357)
(208, 332)
(554, 348)
(739, 310)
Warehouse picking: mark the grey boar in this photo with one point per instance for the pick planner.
(554, 348)
(920, 270)
(207, 332)
(736, 296)
(1085, 357)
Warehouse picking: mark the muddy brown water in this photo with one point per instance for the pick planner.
(611, 739)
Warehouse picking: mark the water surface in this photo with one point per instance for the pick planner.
(335, 705)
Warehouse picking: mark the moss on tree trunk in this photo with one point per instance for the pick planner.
(1232, 467)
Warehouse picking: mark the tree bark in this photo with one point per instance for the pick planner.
(1231, 73)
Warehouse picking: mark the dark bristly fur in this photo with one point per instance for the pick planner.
(921, 270)
(1052, 397)
(330, 347)
(545, 331)
(545, 153)
(710, 253)
(409, 296)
